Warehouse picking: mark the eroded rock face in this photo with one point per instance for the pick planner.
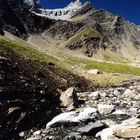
(69, 98)
(18, 20)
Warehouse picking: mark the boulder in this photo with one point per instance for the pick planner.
(105, 109)
(69, 98)
(132, 131)
(127, 129)
(91, 129)
(68, 118)
(94, 71)
(107, 134)
(88, 114)
(72, 118)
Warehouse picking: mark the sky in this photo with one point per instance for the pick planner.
(129, 9)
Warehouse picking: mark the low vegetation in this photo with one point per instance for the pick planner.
(87, 31)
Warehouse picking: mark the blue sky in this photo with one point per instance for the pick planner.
(129, 9)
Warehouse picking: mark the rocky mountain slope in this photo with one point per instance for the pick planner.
(41, 97)
(29, 89)
(18, 20)
(88, 32)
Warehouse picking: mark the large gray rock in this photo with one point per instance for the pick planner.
(91, 129)
(88, 114)
(132, 131)
(105, 109)
(68, 118)
(127, 129)
(69, 98)
(72, 118)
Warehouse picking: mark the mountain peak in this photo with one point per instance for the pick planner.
(65, 13)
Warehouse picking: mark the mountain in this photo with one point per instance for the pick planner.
(52, 57)
(77, 27)
(18, 20)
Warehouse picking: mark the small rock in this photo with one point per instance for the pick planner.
(119, 112)
(128, 93)
(88, 114)
(116, 93)
(38, 132)
(103, 94)
(95, 95)
(91, 129)
(105, 109)
(13, 109)
(22, 134)
(73, 136)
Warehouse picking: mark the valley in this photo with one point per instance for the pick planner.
(70, 73)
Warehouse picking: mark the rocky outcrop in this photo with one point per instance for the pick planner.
(69, 98)
(18, 20)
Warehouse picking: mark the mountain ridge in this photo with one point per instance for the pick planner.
(119, 35)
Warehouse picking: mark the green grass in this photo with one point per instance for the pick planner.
(114, 57)
(26, 51)
(69, 61)
(87, 31)
(113, 68)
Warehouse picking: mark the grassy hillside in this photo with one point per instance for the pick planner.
(68, 62)
(87, 31)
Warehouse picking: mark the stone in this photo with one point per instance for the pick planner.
(13, 109)
(38, 132)
(103, 94)
(127, 129)
(108, 122)
(68, 118)
(107, 134)
(136, 104)
(116, 93)
(119, 112)
(69, 98)
(88, 114)
(105, 109)
(73, 136)
(72, 118)
(132, 131)
(128, 93)
(22, 134)
(95, 95)
(91, 129)
(94, 71)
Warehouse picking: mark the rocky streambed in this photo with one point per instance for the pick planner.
(105, 114)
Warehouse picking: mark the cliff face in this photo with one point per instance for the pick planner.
(18, 20)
